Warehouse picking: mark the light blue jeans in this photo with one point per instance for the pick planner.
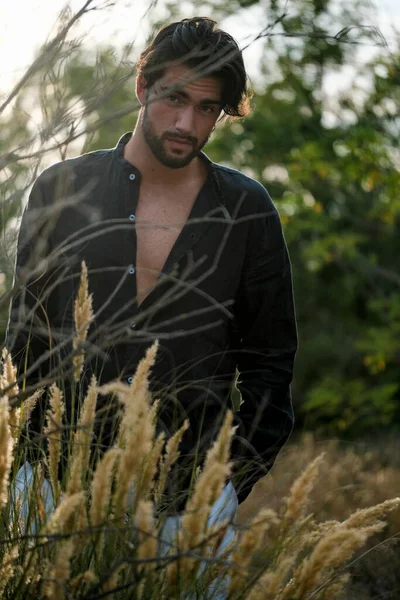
(21, 498)
(224, 509)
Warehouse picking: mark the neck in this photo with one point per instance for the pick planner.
(138, 153)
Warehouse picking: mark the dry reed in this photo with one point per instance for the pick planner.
(136, 434)
(334, 549)
(148, 540)
(248, 545)
(112, 582)
(154, 412)
(57, 573)
(82, 582)
(287, 576)
(329, 545)
(101, 487)
(64, 517)
(83, 440)
(8, 376)
(28, 405)
(53, 431)
(150, 467)
(7, 567)
(207, 489)
(368, 516)
(6, 449)
(335, 587)
(303, 555)
(270, 584)
(9, 388)
(299, 495)
(171, 456)
(37, 496)
(83, 316)
(135, 395)
(101, 493)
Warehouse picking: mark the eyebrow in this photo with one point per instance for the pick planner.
(185, 95)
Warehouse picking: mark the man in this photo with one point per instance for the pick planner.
(178, 249)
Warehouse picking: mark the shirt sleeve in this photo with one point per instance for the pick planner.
(268, 342)
(28, 333)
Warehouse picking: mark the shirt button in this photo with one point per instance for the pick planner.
(132, 217)
(132, 176)
(130, 379)
(133, 324)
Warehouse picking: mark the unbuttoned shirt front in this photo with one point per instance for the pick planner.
(222, 305)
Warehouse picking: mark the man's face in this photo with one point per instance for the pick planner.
(177, 125)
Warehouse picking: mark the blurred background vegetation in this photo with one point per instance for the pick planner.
(328, 155)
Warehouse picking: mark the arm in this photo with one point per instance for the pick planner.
(28, 333)
(268, 342)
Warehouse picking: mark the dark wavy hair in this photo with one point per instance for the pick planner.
(200, 45)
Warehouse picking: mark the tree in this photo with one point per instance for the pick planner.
(334, 178)
(328, 160)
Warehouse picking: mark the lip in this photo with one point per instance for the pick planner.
(178, 142)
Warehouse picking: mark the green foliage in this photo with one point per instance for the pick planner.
(110, 99)
(330, 162)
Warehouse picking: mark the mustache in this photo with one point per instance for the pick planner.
(181, 138)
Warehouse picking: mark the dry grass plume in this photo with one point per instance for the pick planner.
(83, 316)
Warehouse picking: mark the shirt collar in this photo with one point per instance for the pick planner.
(212, 179)
(118, 152)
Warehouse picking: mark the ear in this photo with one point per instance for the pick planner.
(141, 89)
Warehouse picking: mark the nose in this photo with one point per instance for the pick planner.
(184, 120)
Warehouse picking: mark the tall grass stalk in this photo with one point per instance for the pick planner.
(170, 458)
(83, 441)
(53, 431)
(28, 405)
(208, 487)
(137, 433)
(105, 533)
(6, 450)
(9, 387)
(83, 316)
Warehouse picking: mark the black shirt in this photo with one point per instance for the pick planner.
(223, 302)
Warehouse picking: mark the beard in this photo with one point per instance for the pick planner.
(156, 144)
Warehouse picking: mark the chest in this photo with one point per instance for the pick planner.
(159, 221)
(160, 218)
